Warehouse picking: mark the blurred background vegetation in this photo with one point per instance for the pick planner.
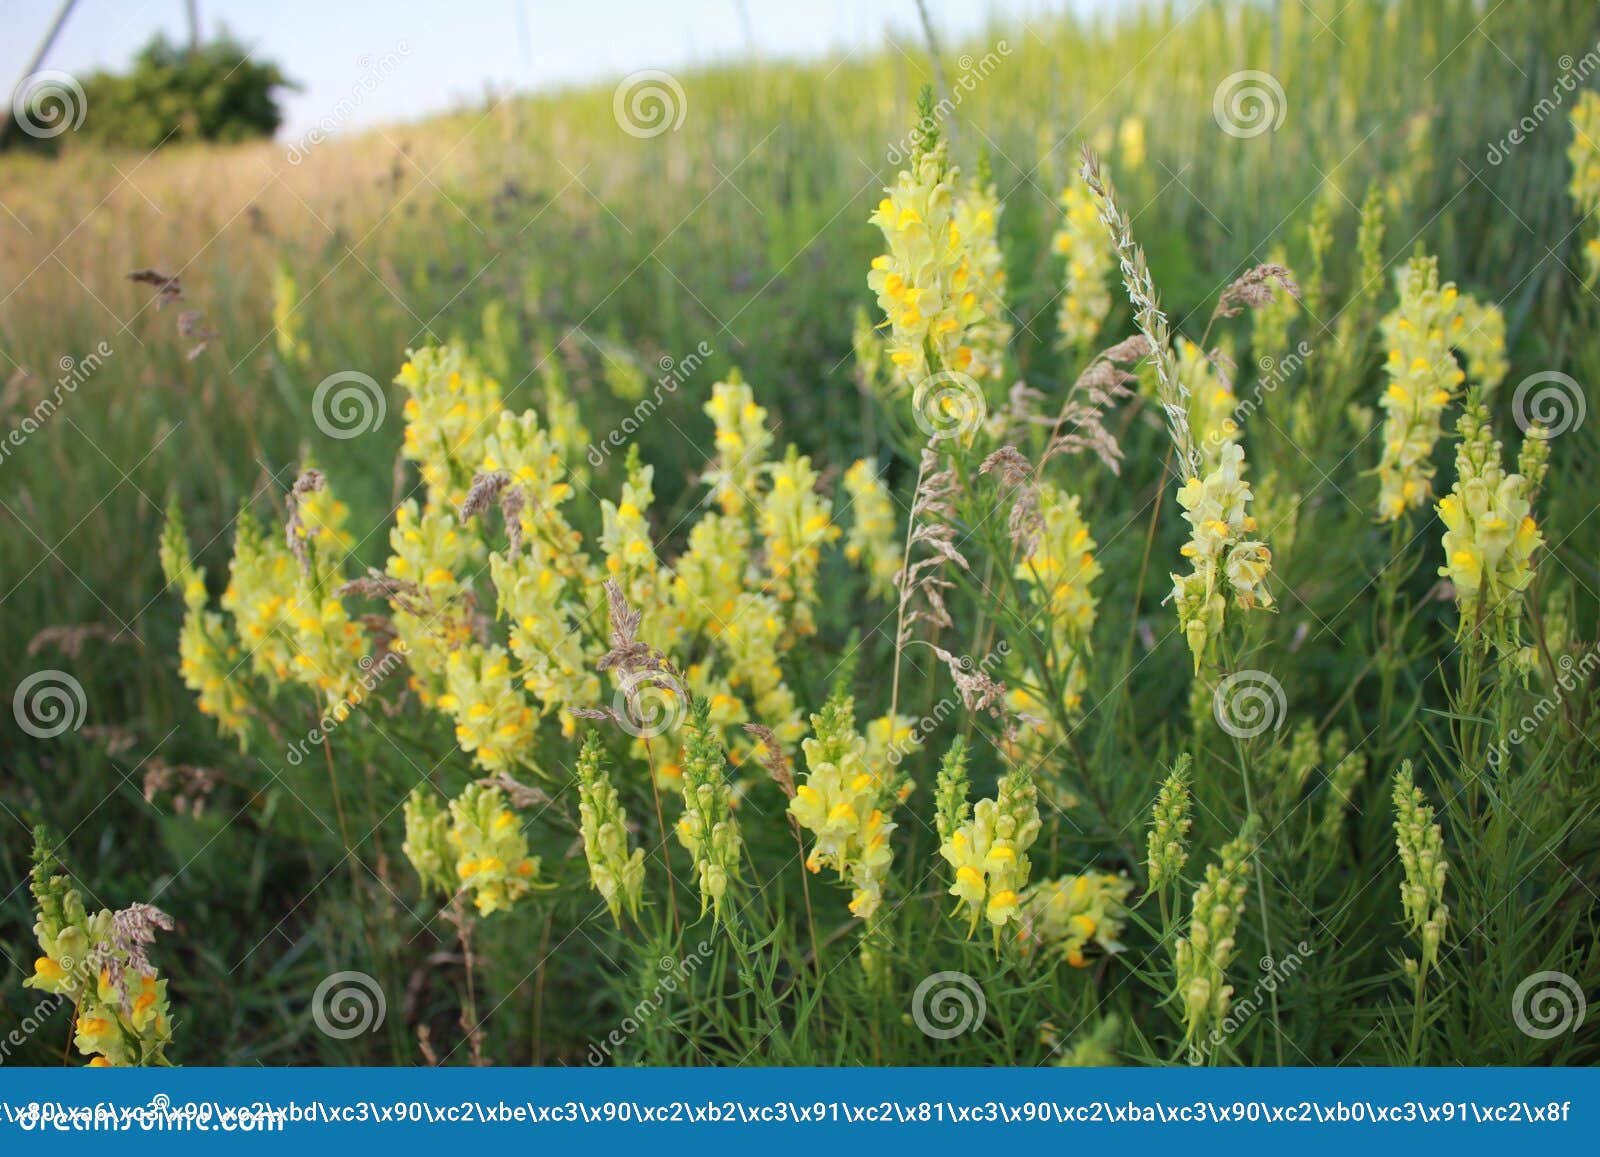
(535, 224)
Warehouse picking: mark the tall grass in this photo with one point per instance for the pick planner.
(538, 231)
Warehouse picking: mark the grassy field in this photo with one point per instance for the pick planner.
(579, 261)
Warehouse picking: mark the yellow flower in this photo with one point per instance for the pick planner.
(1073, 912)
(843, 804)
(1422, 333)
(925, 282)
(493, 720)
(1490, 535)
(1226, 562)
(451, 412)
(795, 522)
(742, 442)
(987, 845)
(871, 544)
(1087, 248)
(976, 217)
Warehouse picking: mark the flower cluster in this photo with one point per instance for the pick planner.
(1058, 570)
(742, 442)
(987, 845)
(707, 827)
(795, 523)
(476, 846)
(535, 460)
(1490, 535)
(1202, 957)
(431, 607)
(625, 539)
(1074, 912)
(449, 416)
(1421, 845)
(871, 544)
(615, 873)
(208, 653)
(1227, 563)
(1424, 330)
(1170, 821)
(843, 804)
(977, 219)
(1584, 155)
(926, 285)
(1086, 296)
(494, 721)
(544, 611)
(99, 963)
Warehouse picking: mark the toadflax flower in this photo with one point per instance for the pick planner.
(795, 523)
(1584, 155)
(208, 653)
(871, 544)
(100, 964)
(1490, 535)
(708, 828)
(926, 285)
(544, 614)
(977, 220)
(1202, 957)
(1085, 294)
(1059, 571)
(431, 558)
(1421, 846)
(1228, 567)
(478, 847)
(1211, 401)
(494, 722)
(616, 874)
(987, 845)
(844, 804)
(1423, 332)
(450, 414)
(742, 441)
(1071, 913)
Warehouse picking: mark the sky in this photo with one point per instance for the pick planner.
(439, 54)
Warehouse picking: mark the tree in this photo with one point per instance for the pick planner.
(215, 92)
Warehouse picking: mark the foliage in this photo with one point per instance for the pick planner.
(1027, 778)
